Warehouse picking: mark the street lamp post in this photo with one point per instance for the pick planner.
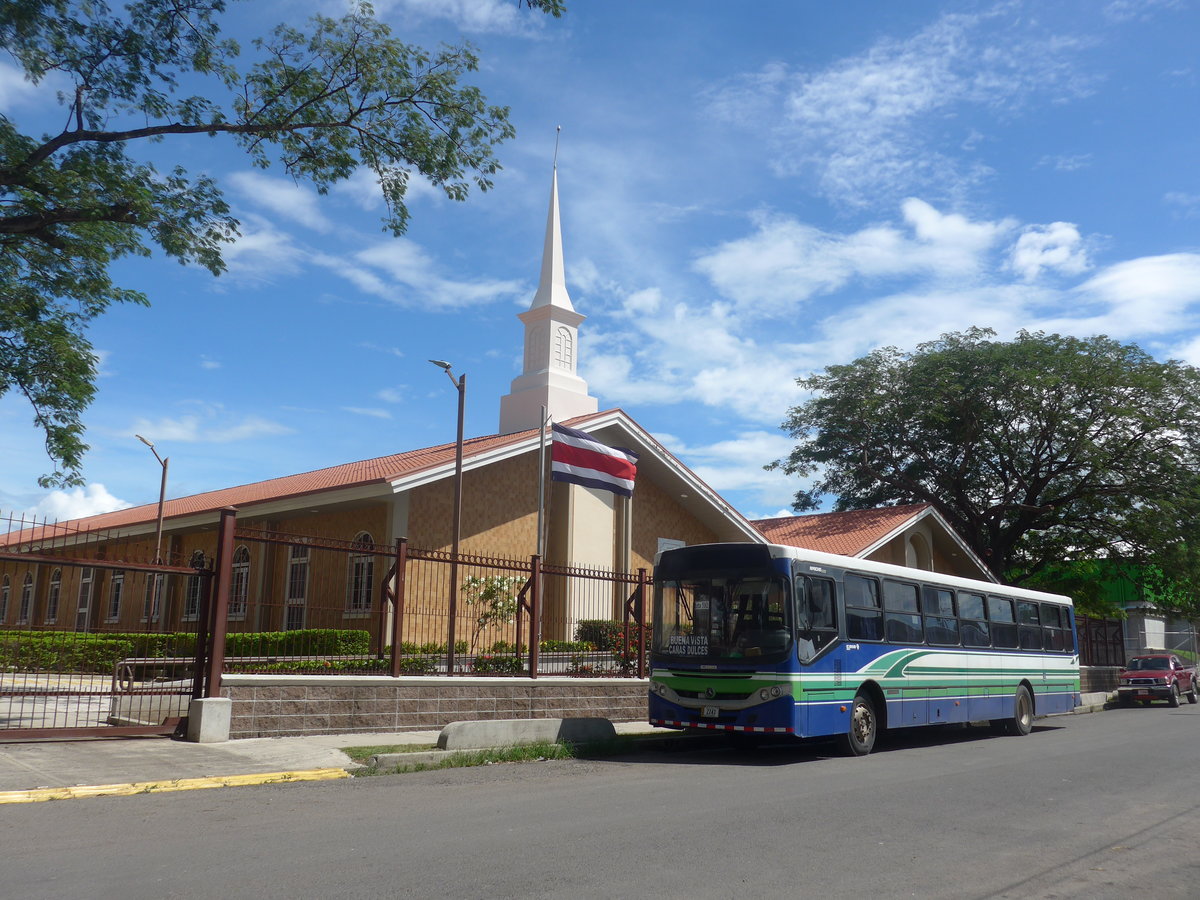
(162, 496)
(460, 384)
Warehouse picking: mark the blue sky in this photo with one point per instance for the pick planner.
(749, 193)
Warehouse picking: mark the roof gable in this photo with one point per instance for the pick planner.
(384, 476)
(852, 533)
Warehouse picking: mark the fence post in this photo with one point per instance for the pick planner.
(398, 604)
(640, 614)
(535, 613)
(203, 633)
(220, 608)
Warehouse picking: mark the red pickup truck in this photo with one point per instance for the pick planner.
(1156, 676)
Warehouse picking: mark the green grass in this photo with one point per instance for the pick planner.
(363, 754)
(467, 758)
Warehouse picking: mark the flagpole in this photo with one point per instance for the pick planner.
(541, 539)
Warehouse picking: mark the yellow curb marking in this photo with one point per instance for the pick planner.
(37, 795)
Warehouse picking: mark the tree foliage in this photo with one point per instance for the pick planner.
(1039, 451)
(323, 102)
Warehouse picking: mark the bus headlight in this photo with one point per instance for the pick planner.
(771, 693)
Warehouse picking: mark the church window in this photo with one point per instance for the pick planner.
(564, 348)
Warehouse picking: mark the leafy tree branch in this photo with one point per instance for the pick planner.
(343, 94)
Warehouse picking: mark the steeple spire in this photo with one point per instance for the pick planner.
(552, 287)
(549, 377)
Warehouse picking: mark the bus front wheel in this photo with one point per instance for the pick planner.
(859, 740)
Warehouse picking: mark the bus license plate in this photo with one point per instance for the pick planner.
(710, 712)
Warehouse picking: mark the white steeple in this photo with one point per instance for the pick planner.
(549, 378)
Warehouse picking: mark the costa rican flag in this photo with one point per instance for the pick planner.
(578, 458)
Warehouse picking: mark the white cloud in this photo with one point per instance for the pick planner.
(865, 127)
(209, 363)
(736, 464)
(1066, 163)
(374, 413)
(284, 197)
(475, 16)
(207, 429)
(262, 251)
(1189, 203)
(390, 395)
(77, 503)
(1056, 246)
(402, 272)
(785, 261)
(1152, 295)
(362, 189)
(16, 90)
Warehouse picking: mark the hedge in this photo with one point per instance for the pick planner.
(98, 653)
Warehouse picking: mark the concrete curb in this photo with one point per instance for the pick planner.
(38, 795)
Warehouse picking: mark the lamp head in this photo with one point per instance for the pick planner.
(441, 363)
(144, 441)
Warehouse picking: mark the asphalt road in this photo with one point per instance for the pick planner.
(1097, 806)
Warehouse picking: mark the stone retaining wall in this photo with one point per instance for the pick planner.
(283, 705)
(1097, 679)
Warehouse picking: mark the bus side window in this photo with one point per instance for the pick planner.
(817, 620)
(941, 627)
(1054, 634)
(973, 625)
(903, 621)
(863, 614)
(1029, 625)
(1004, 623)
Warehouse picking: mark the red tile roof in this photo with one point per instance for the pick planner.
(845, 533)
(380, 470)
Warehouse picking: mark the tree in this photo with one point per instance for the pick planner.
(1039, 451)
(493, 601)
(323, 103)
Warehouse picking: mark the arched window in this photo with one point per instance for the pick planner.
(52, 596)
(564, 348)
(239, 587)
(26, 599)
(5, 590)
(917, 555)
(156, 586)
(191, 598)
(83, 608)
(116, 587)
(297, 587)
(361, 576)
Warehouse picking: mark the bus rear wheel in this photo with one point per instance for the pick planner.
(1022, 717)
(859, 740)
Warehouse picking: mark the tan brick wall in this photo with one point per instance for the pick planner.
(279, 707)
(499, 510)
(656, 514)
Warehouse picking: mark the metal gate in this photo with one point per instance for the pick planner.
(96, 637)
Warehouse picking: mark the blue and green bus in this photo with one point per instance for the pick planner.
(767, 639)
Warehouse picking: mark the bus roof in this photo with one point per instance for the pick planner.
(870, 567)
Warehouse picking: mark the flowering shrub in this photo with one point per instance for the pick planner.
(608, 635)
(493, 601)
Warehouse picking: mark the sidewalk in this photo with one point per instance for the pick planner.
(156, 763)
(61, 769)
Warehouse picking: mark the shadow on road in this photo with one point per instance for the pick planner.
(766, 750)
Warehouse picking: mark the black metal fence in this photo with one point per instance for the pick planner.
(85, 647)
(306, 604)
(1101, 641)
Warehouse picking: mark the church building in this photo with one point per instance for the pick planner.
(410, 494)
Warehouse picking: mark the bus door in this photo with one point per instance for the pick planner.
(816, 631)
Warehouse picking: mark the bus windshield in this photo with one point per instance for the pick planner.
(713, 617)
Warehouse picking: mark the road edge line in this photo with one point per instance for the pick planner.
(38, 795)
